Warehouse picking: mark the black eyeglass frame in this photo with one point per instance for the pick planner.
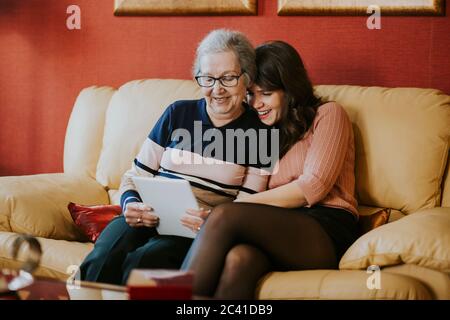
(220, 80)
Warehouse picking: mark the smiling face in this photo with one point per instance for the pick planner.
(224, 104)
(269, 104)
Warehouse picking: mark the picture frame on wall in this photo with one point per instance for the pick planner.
(183, 7)
(359, 7)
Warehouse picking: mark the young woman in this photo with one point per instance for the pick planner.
(307, 217)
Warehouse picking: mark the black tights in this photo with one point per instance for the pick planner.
(240, 242)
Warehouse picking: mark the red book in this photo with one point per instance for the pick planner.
(160, 284)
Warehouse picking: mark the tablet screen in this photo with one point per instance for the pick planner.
(169, 198)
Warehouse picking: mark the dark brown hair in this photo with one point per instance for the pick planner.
(280, 67)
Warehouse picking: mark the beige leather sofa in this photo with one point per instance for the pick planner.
(402, 147)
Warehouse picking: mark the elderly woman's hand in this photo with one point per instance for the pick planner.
(138, 214)
(194, 219)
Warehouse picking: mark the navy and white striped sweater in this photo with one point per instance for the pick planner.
(184, 144)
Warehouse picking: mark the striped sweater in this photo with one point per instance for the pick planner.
(323, 162)
(184, 144)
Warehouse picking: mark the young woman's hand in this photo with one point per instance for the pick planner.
(194, 219)
(138, 214)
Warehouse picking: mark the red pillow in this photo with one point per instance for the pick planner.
(93, 219)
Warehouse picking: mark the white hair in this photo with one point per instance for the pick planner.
(222, 40)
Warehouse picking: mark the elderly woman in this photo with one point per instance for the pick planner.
(224, 68)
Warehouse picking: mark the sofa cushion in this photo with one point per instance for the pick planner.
(37, 204)
(438, 283)
(84, 132)
(401, 136)
(132, 112)
(339, 285)
(114, 196)
(421, 238)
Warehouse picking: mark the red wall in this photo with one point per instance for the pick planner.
(43, 65)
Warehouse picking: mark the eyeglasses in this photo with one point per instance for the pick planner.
(226, 81)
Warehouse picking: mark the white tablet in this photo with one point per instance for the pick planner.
(169, 198)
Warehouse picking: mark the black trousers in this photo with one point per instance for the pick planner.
(121, 248)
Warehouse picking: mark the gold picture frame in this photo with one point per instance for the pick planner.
(359, 7)
(183, 7)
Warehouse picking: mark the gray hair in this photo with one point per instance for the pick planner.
(222, 40)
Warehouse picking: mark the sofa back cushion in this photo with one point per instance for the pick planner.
(401, 141)
(132, 112)
(84, 132)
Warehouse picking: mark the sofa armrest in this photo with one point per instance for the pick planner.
(421, 238)
(37, 204)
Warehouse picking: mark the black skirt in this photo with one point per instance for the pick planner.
(341, 225)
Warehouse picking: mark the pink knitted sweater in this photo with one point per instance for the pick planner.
(323, 162)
